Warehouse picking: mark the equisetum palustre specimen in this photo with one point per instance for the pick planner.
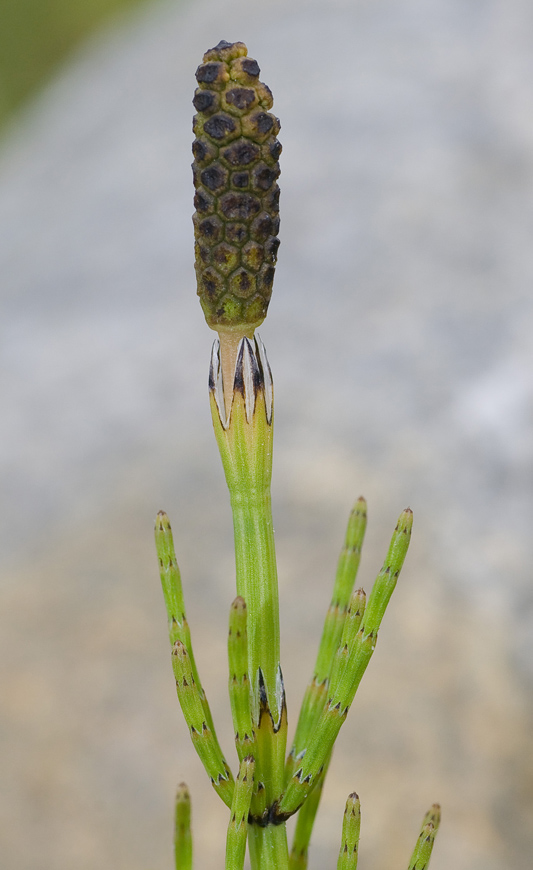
(236, 224)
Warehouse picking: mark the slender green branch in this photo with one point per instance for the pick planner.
(238, 823)
(342, 694)
(316, 692)
(351, 826)
(307, 813)
(424, 845)
(178, 627)
(386, 580)
(182, 829)
(304, 825)
(239, 684)
(203, 737)
(352, 625)
(347, 568)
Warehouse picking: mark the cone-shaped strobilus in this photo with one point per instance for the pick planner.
(236, 222)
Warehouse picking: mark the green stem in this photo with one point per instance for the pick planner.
(256, 573)
(182, 829)
(351, 826)
(238, 824)
(424, 845)
(268, 847)
(316, 692)
(244, 437)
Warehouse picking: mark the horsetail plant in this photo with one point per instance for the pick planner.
(236, 222)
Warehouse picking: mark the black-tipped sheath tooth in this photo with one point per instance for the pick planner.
(238, 380)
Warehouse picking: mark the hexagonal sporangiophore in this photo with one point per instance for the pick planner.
(263, 176)
(270, 151)
(252, 256)
(204, 152)
(226, 258)
(239, 100)
(215, 178)
(229, 308)
(259, 125)
(242, 152)
(213, 74)
(256, 308)
(235, 205)
(271, 249)
(236, 233)
(206, 101)
(204, 202)
(271, 201)
(222, 127)
(209, 229)
(244, 70)
(261, 228)
(202, 253)
(242, 283)
(265, 279)
(211, 284)
(240, 180)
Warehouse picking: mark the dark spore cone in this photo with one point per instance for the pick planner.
(235, 174)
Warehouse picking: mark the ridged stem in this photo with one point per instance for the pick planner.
(268, 847)
(351, 826)
(238, 823)
(316, 692)
(424, 845)
(342, 690)
(239, 683)
(244, 437)
(182, 829)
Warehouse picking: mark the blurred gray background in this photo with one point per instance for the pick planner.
(407, 220)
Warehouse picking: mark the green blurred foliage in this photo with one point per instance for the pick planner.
(36, 35)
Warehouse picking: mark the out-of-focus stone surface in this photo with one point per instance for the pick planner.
(407, 219)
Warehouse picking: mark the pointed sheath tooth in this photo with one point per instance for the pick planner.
(386, 580)
(178, 627)
(239, 684)
(182, 829)
(202, 734)
(267, 377)
(424, 846)
(351, 826)
(240, 808)
(216, 386)
(270, 730)
(239, 373)
(247, 377)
